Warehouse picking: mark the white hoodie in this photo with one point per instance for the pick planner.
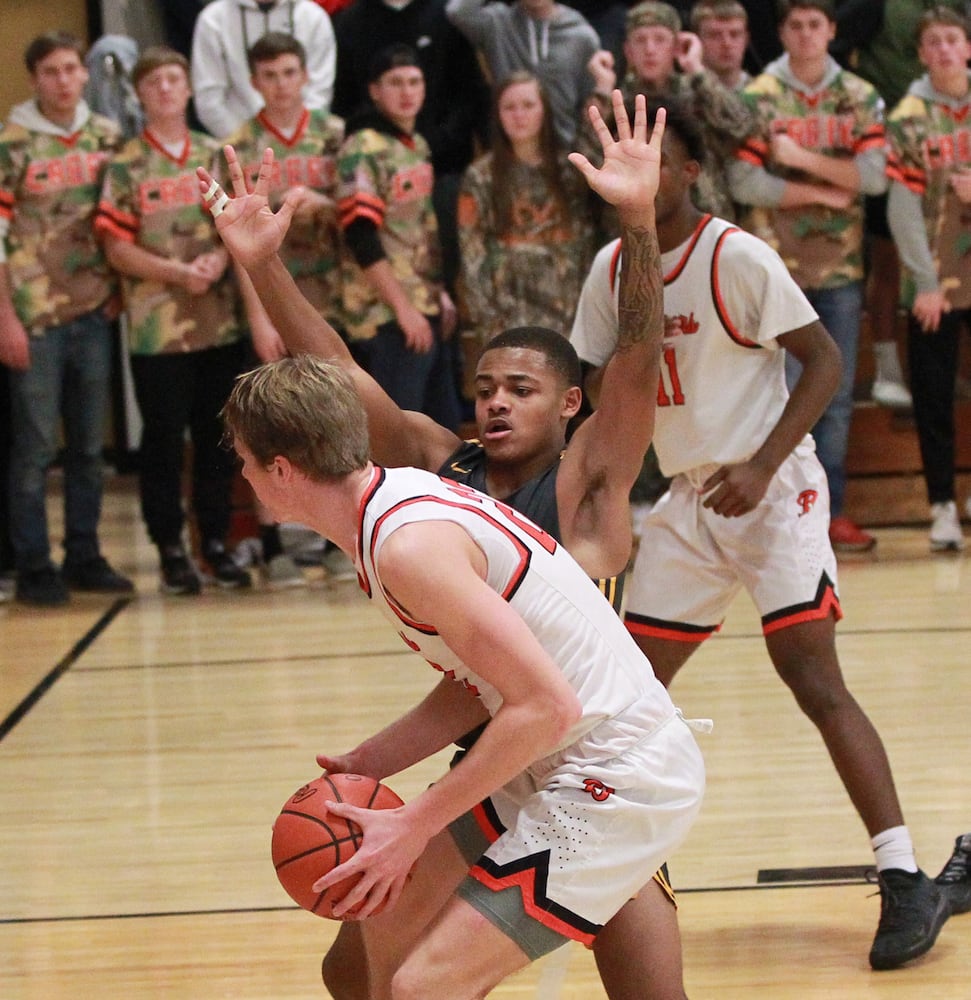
(225, 29)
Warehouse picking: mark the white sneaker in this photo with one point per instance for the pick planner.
(894, 395)
(946, 533)
(281, 573)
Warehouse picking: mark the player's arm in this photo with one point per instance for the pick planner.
(437, 573)
(14, 343)
(253, 235)
(606, 452)
(735, 490)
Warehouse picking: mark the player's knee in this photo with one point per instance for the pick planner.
(408, 983)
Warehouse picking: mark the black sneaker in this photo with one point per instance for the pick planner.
(179, 576)
(43, 587)
(224, 568)
(955, 877)
(912, 912)
(97, 576)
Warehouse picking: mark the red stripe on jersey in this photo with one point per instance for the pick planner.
(377, 478)
(113, 217)
(682, 263)
(278, 135)
(6, 204)
(674, 631)
(615, 264)
(361, 206)
(825, 604)
(912, 178)
(873, 138)
(719, 302)
(181, 159)
(487, 823)
(526, 881)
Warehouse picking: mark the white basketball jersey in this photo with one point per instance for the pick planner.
(575, 624)
(722, 386)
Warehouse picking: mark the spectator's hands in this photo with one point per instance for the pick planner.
(416, 328)
(631, 169)
(14, 342)
(834, 197)
(450, 315)
(929, 307)
(961, 183)
(250, 230)
(601, 67)
(786, 151)
(689, 52)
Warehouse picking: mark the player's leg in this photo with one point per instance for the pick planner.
(638, 952)
(667, 656)
(344, 968)
(804, 656)
(389, 937)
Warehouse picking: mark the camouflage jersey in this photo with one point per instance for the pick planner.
(49, 183)
(151, 198)
(930, 138)
(531, 274)
(386, 182)
(311, 248)
(822, 247)
(721, 116)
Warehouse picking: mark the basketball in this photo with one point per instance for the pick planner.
(308, 841)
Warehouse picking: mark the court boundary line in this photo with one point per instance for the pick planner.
(61, 667)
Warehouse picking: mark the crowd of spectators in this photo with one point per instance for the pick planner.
(425, 226)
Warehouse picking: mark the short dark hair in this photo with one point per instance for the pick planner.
(560, 354)
(826, 7)
(154, 57)
(391, 57)
(940, 14)
(51, 41)
(273, 45)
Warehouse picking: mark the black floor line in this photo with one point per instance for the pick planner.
(229, 911)
(47, 682)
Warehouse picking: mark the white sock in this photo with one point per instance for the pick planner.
(888, 362)
(893, 848)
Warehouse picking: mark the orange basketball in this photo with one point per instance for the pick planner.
(308, 841)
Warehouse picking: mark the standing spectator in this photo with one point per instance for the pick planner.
(305, 145)
(722, 27)
(55, 336)
(747, 507)
(544, 37)
(524, 227)
(881, 41)
(663, 61)
(224, 32)
(817, 146)
(183, 333)
(396, 308)
(930, 171)
(456, 104)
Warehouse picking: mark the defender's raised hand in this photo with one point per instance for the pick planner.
(631, 169)
(251, 231)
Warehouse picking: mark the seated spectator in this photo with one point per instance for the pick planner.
(524, 231)
(544, 37)
(185, 341)
(396, 308)
(224, 32)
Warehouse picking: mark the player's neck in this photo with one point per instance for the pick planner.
(284, 119)
(809, 72)
(674, 230)
(503, 478)
(954, 84)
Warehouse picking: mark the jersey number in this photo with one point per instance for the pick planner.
(676, 396)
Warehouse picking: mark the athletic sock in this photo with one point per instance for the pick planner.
(893, 848)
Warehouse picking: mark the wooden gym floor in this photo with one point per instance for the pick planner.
(146, 746)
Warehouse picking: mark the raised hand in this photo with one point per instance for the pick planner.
(251, 231)
(631, 169)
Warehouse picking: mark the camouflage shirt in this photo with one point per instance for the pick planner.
(49, 187)
(531, 274)
(822, 247)
(308, 158)
(386, 181)
(151, 198)
(930, 138)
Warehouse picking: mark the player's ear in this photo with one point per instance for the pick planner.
(572, 399)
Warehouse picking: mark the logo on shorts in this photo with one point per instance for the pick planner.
(597, 790)
(806, 499)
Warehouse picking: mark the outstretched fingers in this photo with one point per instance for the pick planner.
(657, 133)
(620, 116)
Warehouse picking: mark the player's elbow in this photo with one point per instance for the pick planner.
(562, 713)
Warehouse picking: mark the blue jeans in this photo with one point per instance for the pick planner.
(840, 311)
(68, 380)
